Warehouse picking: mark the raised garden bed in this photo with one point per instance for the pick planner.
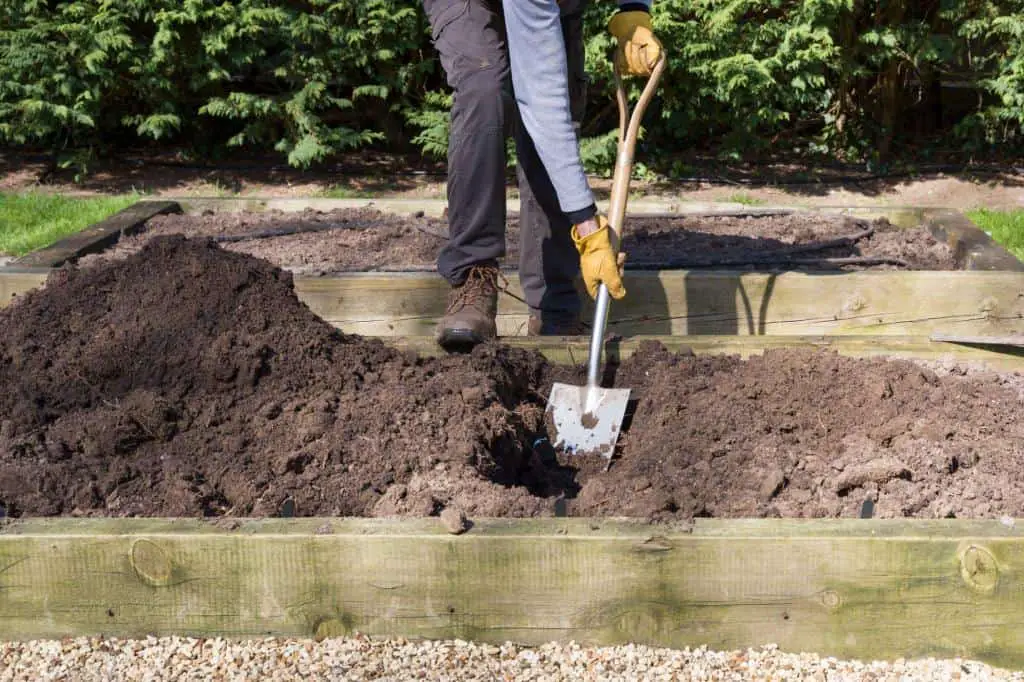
(190, 381)
(859, 589)
(979, 297)
(360, 240)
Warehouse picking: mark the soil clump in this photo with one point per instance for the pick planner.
(349, 240)
(188, 380)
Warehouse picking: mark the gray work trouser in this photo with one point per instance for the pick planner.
(470, 37)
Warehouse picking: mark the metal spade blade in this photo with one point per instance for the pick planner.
(587, 419)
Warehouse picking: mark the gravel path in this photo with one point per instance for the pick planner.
(360, 658)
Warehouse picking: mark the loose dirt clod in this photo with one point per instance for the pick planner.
(188, 380)
(454, 521)
(878, 471)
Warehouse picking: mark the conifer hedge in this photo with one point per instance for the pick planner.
(854, 79)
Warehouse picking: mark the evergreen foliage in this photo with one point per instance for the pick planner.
(853, 79)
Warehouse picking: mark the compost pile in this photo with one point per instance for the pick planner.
(189, 380)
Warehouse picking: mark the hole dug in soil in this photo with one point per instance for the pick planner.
(189, 380)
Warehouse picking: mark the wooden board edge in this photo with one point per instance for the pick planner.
(874, 589)
(97, 237)
(903, 216)
(973, 248)
(594, 528)
(16, 282)
(851, 342)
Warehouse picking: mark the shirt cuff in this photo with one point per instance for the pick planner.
(577, 217)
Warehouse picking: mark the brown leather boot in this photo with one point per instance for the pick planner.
(472, 308)
(556, 325)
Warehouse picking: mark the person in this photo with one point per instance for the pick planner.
(516, 67)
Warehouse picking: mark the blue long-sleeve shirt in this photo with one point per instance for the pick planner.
(540, 78)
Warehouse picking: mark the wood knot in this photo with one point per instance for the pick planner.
(979, 569)
(330, 627)
(831, 600)
(645, 620)
(151, 563)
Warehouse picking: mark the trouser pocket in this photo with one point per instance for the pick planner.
(467, 35)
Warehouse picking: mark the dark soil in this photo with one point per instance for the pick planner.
(189, 380)
(365, 239)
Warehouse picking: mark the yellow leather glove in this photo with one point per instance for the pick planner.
(598, 261)
(638, 49)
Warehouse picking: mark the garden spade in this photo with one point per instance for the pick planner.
(587, 419)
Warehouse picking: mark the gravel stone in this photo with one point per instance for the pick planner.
(362, 658)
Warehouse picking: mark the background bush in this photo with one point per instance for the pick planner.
(851, 79)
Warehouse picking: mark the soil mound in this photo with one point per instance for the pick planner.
(798, 433)
(189, 380)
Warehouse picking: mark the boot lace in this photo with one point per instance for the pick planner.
(480, 285)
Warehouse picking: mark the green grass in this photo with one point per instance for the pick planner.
(33, 220)
(744, 198)
(337, 192)
(1006, 227)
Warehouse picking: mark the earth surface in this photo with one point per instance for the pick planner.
(364, 174)
(189, 380)
(313, 242)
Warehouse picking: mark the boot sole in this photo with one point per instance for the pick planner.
(459, 340)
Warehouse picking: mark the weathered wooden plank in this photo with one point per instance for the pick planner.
(696, 302)
(869, 589)
(97, 237)
(14, 284)
(572, 351)
(972, 247)
(388, 305)
(692, 303)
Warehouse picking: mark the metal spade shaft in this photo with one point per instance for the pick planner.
(629, 131)
(587, 419)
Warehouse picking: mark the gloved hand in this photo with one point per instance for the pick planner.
(638, 49)
(598, 261)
